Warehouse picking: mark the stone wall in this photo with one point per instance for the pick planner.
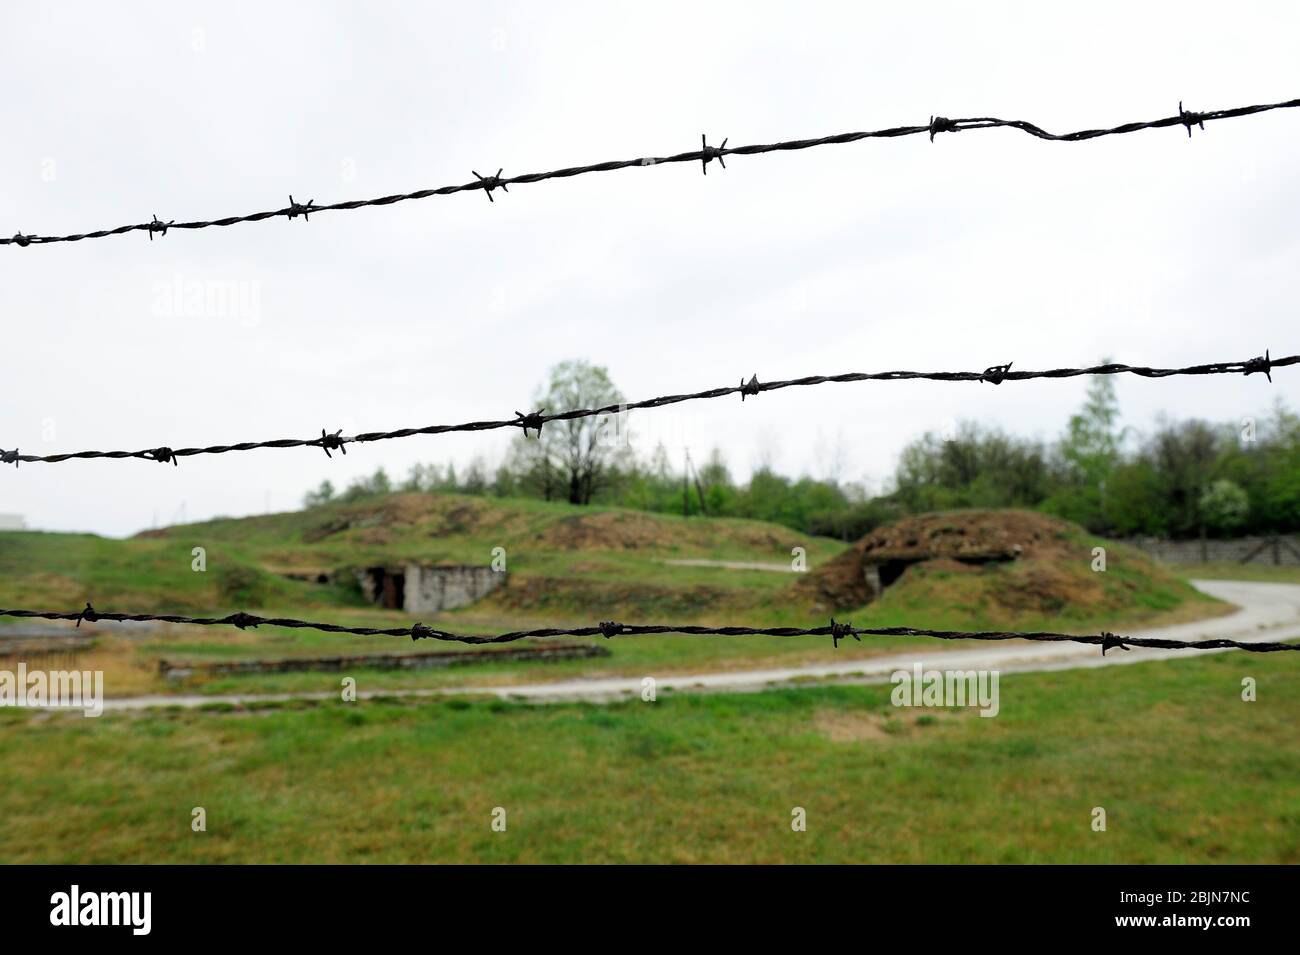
(1261, 550)
(181, 669)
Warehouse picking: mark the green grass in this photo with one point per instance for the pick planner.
(1186, 771)
(50, 571)
(1267, 573)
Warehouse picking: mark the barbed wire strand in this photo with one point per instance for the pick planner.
(704, 155)
(609, 629)
(996, 375)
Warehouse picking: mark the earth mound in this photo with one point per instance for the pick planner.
(1018, 562)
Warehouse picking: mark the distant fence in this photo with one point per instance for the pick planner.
(1238, 550)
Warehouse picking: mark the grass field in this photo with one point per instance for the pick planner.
(1185, 770)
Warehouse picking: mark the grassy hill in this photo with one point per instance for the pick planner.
(566, 564)
(999, 569)
(574, 557)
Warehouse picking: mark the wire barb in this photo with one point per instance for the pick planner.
(709, 153)
(1263, 364)
(21, 240)
(298, 209)
(157, 225)
(163, 455)
(941, 124)
(488, 183)
(87, 615)
(243, 620)
(996, 374)
(1110, 642)
(750, 388)
(532, 421)
(10, 457)
(839, 631)
(331, 441)
(1190, 119)
(421, 632)
(609, 628)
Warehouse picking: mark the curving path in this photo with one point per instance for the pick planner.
(1266, 612)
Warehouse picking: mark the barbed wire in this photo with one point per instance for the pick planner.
(835, 630)
(533, 421)
(704, 155)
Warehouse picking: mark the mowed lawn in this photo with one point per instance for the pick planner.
(1186, 771)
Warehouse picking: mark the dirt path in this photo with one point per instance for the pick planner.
(733, 565)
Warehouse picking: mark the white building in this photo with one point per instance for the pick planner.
(12, 522)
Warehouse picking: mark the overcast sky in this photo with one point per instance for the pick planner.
(981, 248)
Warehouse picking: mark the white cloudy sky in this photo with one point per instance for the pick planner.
(984, 247)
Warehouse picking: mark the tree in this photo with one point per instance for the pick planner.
(1182, 456)
(1224, 506)
(1281, 485)
(719, 491)
(374, 486)
(1087, 455)
(476, 479)
(322, 495)
(530, 470)
(572, 458)
(1134, 501)
(975, 467)
(505, 483)
(420, 478)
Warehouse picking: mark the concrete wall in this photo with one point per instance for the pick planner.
(871, 574)
(429, 589)
(1232, 550)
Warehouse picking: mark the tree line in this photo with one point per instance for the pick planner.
(1182, 479)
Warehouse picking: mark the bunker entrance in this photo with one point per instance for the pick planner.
(387, 588)
(889, 571)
